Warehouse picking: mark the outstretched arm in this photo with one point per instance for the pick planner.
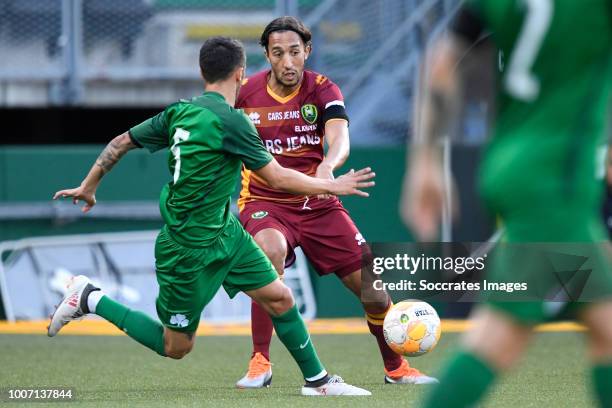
(281, 178)
(112, 153)
(437, 105)
(338, 143)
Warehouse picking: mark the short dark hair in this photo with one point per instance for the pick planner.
(286, 23)
(219, 57)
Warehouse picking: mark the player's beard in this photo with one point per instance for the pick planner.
(297, 77)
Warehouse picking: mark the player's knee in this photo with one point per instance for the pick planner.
(177, 345)
(177, 352)
(275, 251)
(282, 302)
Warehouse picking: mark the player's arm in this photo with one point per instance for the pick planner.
(338, 146)
(338, 149)
(152, 134)
(281, 178)
(335, 120)
(437, 105)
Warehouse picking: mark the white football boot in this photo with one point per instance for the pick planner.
(74, 304)
(334, 386)
(259, 374)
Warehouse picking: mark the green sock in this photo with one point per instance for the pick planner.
(464, 382)
(602, 378)
(137, 325)
(292, 332)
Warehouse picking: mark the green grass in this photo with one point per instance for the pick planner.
(115, 371)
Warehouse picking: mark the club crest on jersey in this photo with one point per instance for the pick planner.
(259, 215)
(309, 113)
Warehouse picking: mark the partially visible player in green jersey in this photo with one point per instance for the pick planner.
(538, 174)
(202, 245)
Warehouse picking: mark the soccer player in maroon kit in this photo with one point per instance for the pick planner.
(294, 111)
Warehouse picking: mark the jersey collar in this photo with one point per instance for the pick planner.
(215, 94)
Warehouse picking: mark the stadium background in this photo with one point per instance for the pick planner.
(76, 73)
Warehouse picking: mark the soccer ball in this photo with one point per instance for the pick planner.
(412, 328)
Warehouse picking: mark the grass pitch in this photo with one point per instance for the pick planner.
(115, 371)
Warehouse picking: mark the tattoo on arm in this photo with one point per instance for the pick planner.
(113, 152)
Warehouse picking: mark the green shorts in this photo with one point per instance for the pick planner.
(190, 277)
(565, 263)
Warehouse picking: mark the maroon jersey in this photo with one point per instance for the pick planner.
(291, 128)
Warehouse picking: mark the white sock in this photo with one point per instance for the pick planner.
(317, 377)
(93, 299)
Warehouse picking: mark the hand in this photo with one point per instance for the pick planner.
(324, 172)
(351, 183)
(424, 196)
(79, 193)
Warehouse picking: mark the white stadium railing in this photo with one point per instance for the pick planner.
(33, 273)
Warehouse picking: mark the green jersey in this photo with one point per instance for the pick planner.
(208, 140)
(539, 170)
(553, 87)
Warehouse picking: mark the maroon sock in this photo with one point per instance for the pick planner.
(391, 359)
(261, 329)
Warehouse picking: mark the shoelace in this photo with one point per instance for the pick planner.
(335, 379)
(258, 367)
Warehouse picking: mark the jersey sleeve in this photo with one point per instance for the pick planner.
(468, 24)
(242, 140)
(152, 133)
(330, 100)
(241, 95)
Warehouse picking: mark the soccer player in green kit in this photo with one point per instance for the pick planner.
(202, 246)
(538, 173)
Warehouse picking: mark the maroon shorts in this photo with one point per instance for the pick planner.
(322, 228)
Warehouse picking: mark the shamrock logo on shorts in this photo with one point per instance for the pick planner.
(179, 320)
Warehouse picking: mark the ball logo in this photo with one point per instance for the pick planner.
(422, 312)
(259, 215)
(404, 318)
(309, 113)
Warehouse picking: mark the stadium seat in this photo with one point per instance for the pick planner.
(116, 20)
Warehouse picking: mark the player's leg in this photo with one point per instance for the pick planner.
(376, 304)
(143, 328)
(183, 292)
(274, 244)
(277, 300)
(493, 345)
(597, 318)
(333, 244)
(254, 274)
(82, 298)
(264, 223)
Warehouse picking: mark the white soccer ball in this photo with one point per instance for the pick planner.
(412, 328)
